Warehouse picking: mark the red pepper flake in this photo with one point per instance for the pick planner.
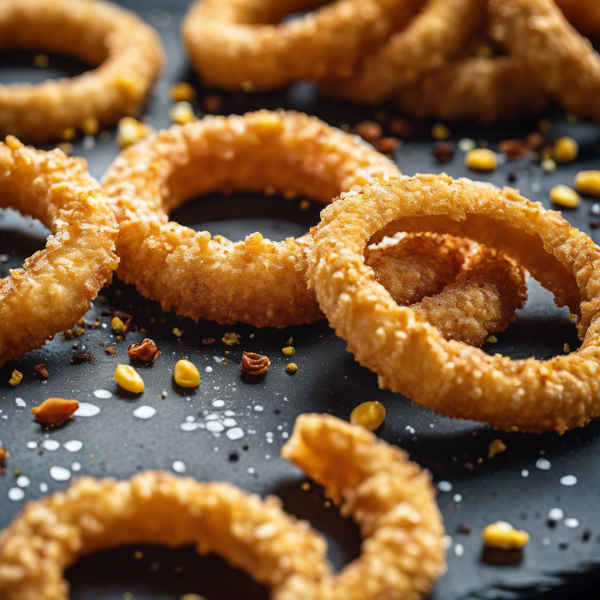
(41, 370)
(81, 358)
(144, 352)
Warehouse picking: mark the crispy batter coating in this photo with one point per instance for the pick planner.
(582, 14)
(435, 36)
(558, 57)
(54, 288)
(127, 52)
(486, 89)
(409, 355)
(242, 44)
(390, 497)
(264, 283)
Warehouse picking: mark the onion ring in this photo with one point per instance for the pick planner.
(584, 15)
(401, 521)
(409, 355)
(564, 62)
(486, 89)
(128, 51)
(54, 288)
(233, 44)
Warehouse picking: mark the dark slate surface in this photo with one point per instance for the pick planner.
(557, 563)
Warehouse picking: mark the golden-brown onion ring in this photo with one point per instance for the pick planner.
(390, 497)
(128, 52)
(54, 288)
(241, 44)
(558, 57)
(409, 355)
(486, 89)
(583, 15)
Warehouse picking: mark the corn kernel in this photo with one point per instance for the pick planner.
(368, 414)
(492, 339)
(292, 367)
(177, 332)
(231, 338)
(289, 350)
(40, 61)
(565, 150)
(503, 535)
(16, 377)
(118, 326)
(254, 241)
(129, 379)
(496, 447)
(131, 131)
(186, 374)
(90, 126)
(481, 159)
(564, 196)
(182, 113)
(588, 182)
(182, 92)
(549, 165)
(440, 132)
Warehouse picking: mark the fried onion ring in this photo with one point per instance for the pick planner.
(564, 62)
(54, 288)
(390, 497)
(583, 15)
(242, 44)
(128, 52)
(409, 355)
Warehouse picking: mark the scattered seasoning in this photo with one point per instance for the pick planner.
(254, 364)
(144, 352)
(563, 545)
(505, 536)
(370, 131)
(586, 535)
(368, 414)
(231, 338)
(245, 447)
(440, 132)
(182, 91)
(81, 358)
(212, 103)
(233, 455)
(208, 341)
(463, 528)
(513, 176)
(15, 378)
(496, 447)
(186, 374)
(55, 411)
(110, 351)
(444, 152)
(41, 370)
(277, 411)
(551, 523)
(291, 367)
(3, 457)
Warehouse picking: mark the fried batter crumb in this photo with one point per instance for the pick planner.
(55, 411)
(254, 364)
(16, 378)
(41, 370)
(110, 351)
(496, 447)
(177, 332)
(208, 341)
(81, 358)
(145, 352)
(231, 338)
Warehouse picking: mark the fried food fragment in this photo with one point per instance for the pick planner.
(55, 411)
(254, 364)
(15, 378)
(41, 370)
(146, 351)
(82, 357)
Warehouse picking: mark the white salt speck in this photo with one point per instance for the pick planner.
(459, 550)
(466, 144)
(235, 434)
(546, 542)
(444, 486)
(543, 464)
(218, 359)
(524, 473)
(229, 413)
(457, 498)
(572, 523)
(556, 514)
(60, 473)
(285, 435)
(218, 403)
(144, 412)
(251, 470)
(190, 419)
(259, 408)
(568, 480)
(76, 466)
(23, 481)
(43, 487)
(20, 402)
(229, 422)
(87, 410)
(535, 186)
(73, 445)
(103, 394)
(410, 429)
(179, 466)
(209, 369)
(51, 445)
(215, 426)
(595, 209)
(16, 494)
(32, 445)
(188, 426)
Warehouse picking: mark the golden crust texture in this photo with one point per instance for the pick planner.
(54, 287)
(409, 355)
(242, 44)
(557, 56)
(582, 14)
(401, 520)
(127, 52)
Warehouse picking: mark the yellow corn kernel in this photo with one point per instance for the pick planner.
(549, 165)
(186, 374)
(131, 131)
(231, 338)
(564, 196)
(177, 332)
(565, 150)
(440, 132)
(496, 447)
(254, 241)
(503, 535)
(291, 367)
(481, 159)
(129, 379)
(588, 182)
(16, 377)
(182, 113)
(289, 350)
(492, 339)
(182, 92)
(368, 414)
(118, 326)
(90, 126)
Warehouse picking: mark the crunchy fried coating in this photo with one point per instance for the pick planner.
(582, 14)
(390, 497)
(409, 355)
(263, 284)
(562, 61)
(485, 89)
(242, 44)
(434, 37)
(54, 288)
(127, 52)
